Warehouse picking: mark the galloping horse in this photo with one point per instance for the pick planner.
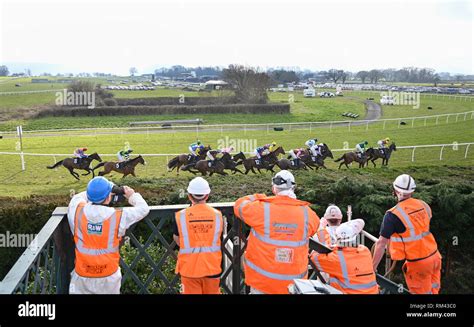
(267, 162)
(185, 159)
(78, 163)
(125, 168)
(350, 157)
(312, 161)
(285, 164)
(374, 154)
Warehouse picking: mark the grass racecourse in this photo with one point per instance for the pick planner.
(36, 179)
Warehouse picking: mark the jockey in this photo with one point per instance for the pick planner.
(124, 155)
(295, 155)
(80, 153)
(227, 150)
(211, 157)
(311, 142)
(316, 149)
(195, 148)
(360, 148)
(383, 144)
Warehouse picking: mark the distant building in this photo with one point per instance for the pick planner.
(40, 80)
(215, 84)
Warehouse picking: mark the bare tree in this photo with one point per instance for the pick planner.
(4, 70)
(375, 75)
(249, 85)
(133, 71)
(334, 74)
(363, 75)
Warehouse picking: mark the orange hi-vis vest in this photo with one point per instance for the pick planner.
(97, 245)
(417, 242)
(277, 248)
(350, 269)
(324, 237)
(200, 229)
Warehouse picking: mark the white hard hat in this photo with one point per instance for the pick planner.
(283, 180)
(404, 184)
(348, 231)
(199, 186)
(333, 212)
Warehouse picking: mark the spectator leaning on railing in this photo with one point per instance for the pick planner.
(97, 230)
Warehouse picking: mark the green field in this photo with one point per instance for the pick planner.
(37, 179)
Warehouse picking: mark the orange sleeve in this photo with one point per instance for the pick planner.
(327, 263)
(313, 222)
(249, 209)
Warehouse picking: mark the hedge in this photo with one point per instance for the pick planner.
(188, 101)
(269, 108)
(448, 190)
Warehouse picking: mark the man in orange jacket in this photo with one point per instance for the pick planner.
(349, 266)
(198, 231)
(407, 227)
(327, 228)
(277, 249)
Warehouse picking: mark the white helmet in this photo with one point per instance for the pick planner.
(333, 212)
(404, 184)
(348, 231)
(284, 180)
(199, 186)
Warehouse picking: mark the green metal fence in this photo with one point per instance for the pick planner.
(147, 261)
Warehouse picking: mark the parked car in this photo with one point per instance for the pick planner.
(326, 94)
(309, 93)
(387, 100)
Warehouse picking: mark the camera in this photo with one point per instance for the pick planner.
(117, 195)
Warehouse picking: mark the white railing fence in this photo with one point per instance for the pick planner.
(268, 127)
(168, 156)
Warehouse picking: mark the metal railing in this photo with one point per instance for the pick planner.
(168, 156)
(394, 123)
(45, 266)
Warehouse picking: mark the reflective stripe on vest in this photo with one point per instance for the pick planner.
(273, 275)
(110, 243)
(413, 236)
(346, 283)
(252, 198)
(187, 249)
(266, 223)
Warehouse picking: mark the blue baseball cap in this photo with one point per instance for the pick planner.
(98, 189)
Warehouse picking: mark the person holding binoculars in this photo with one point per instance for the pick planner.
(98, 229)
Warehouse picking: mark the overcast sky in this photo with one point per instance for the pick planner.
(113, 35)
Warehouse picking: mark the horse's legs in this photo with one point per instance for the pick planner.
(73, 173)
(340, 165)
(253, 170)
(210, 174)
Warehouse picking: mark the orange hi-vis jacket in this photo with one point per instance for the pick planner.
(97, 245)
(350, 269)
(417, 242)
(324, 237)
(200, 229)
(277, 248)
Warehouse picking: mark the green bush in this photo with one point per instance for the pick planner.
(271, 108)
(448, 190)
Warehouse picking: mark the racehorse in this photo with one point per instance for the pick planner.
(207, 166)
(125, 168)
(185, 159)
(312, 161)
(268, 161)
(285, 164)
(374, 154)
(78, 163)
(350, 157)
